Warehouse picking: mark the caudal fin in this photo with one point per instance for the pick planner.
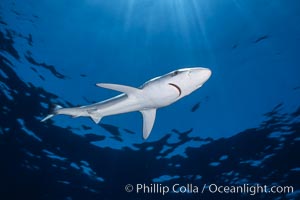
(53, 112)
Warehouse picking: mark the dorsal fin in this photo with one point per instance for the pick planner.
(120, 88)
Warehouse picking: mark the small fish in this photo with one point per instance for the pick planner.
(296, 88)
(234, 46)
(259, 39)
(196, 107)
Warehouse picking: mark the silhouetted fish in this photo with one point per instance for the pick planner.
(261, 38)
(196, 107)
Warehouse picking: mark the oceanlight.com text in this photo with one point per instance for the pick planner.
(157, 188)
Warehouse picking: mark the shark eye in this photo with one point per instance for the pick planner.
(174, 73)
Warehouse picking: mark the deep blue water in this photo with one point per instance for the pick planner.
(241, 127)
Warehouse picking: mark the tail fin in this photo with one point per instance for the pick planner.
(53, 112)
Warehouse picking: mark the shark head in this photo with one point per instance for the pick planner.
(187, 80)
(175, 85)
(167, 89)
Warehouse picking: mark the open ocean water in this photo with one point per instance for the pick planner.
(237, 137)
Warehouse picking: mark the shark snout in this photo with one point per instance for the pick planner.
(207, 73)
(200, 74)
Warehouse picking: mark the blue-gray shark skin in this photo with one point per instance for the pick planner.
(156, 93)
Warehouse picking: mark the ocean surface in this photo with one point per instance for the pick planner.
(241, 128)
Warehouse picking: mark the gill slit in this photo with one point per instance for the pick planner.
(177, 87)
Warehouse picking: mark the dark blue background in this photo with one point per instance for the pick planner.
(55, 52)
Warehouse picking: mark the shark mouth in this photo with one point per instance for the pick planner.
(177, 87)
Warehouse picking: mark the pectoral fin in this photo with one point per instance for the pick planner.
(121, 88)
(148, 121)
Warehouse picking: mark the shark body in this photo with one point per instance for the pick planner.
(156, 93)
